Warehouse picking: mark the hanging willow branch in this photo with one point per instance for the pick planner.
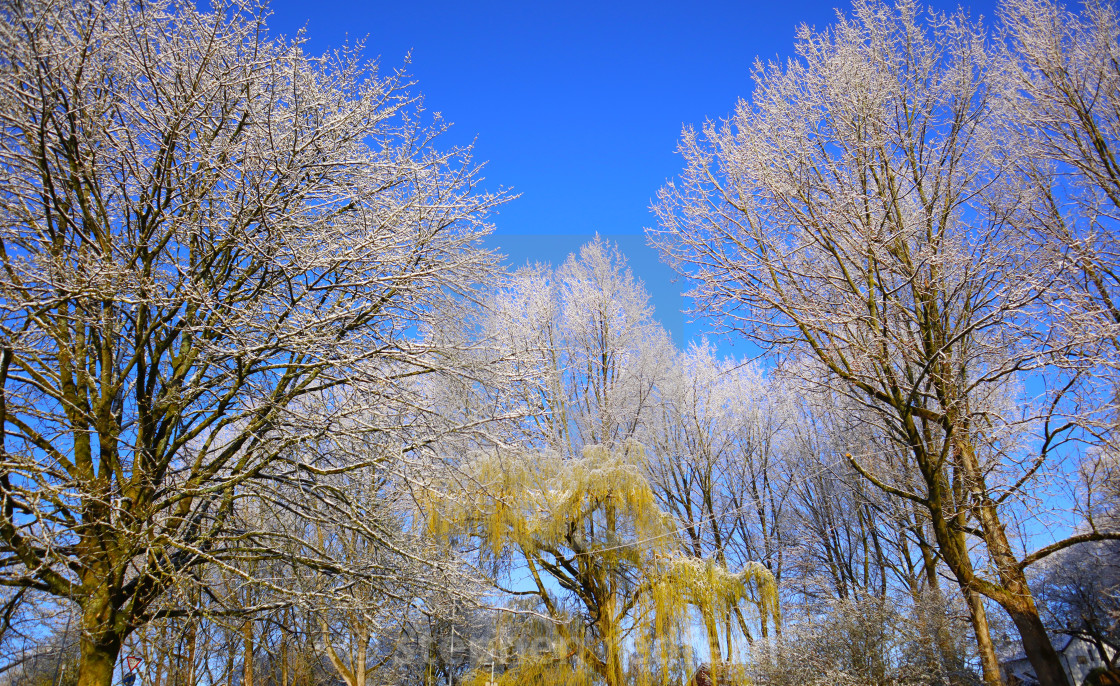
(592, 524)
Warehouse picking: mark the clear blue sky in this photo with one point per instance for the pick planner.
(575, 105)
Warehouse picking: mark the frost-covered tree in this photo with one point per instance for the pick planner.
(216, 253)
(717, 465)
(585, 349)
(1067, 121)
(1079, 590)
(861, 210)
(565, 493)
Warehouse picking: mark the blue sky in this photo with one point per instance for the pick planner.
(575, 105)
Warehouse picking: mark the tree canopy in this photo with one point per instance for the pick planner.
(272, 413)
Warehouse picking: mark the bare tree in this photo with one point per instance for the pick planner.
(854, 543)
(716, 466)
(585, 349)
(209, 242)
(1079, 590)
(858, 210)
(360, 627)
(567, 496)
(1067, 122)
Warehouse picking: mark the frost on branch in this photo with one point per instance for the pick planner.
(216, 252)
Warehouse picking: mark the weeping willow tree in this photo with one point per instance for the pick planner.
(593, 543)
(715, 592)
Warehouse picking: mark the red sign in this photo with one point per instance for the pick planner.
(132, 662)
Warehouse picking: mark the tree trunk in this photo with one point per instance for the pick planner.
(283, 659)
(730, 645)
(362, 648)
(99, 644)
(612, 659)
(979, 618)
(97, 659)
(192, 647)
(1036, 643)
(746, 631)
(1102, 652)
(611, 629)
(247, 659)
(1013, 594)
